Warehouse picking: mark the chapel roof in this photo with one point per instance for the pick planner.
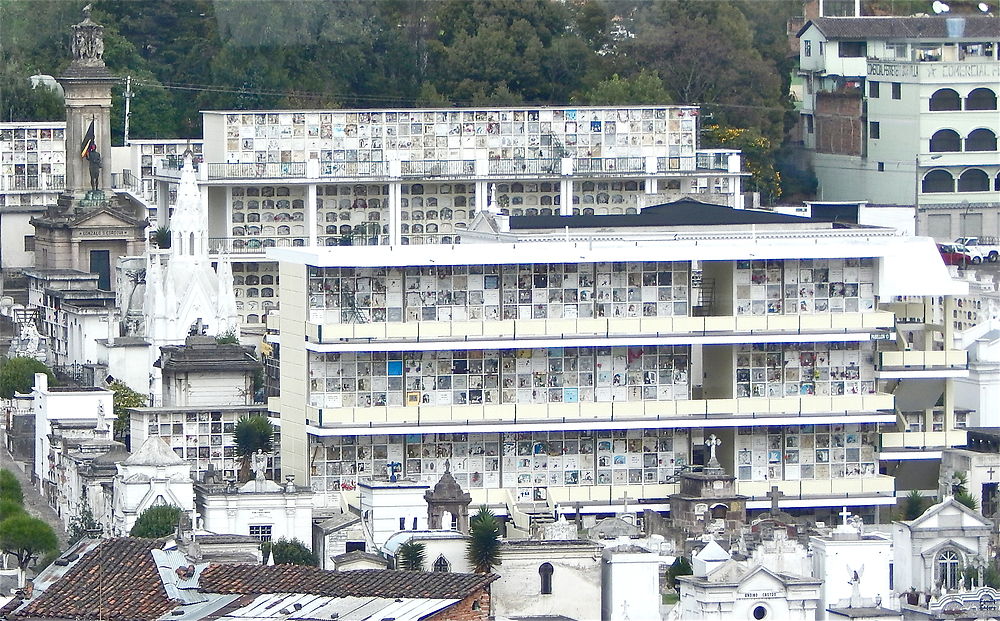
(154, 452)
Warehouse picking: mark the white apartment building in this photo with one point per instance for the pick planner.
(583, 361)
(275, 179)
(903, 111)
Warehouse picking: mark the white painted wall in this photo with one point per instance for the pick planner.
(52, 406)
(576, 580)
(288, 514)
(835, 560)
(383, 504)
(630, 585)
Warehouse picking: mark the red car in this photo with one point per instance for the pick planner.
(954, 254)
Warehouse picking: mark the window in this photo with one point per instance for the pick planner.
(981, 140)
(948, 566)
(938, 181)
(981, 99)
(875, 131)
(881, 166)
(945, 141)
(974, 180)
(807, 47)
(873, 90)
(810, 124)
(822, 47)
(945, 99)
(354, 546)
(402, 523)
(853, 49)
(442, 565)
(897, 90)
(759, 612)
(545, 577)
(262, 533)
(891, 577)
(29, 243)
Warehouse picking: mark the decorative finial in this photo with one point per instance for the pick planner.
(86, 11)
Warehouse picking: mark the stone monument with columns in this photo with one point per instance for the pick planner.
(707, 500)
(90, 226)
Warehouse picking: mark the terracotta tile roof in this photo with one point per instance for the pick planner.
(116, 581)
(258, 579)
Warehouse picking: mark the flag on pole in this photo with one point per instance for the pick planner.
(88, 141)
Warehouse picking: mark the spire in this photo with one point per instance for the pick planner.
(189, 223)
(153, 304)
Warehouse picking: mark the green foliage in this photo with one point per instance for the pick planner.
(9, 508)
(228, 338)
(289, 552)
(967, 499)
(25, 537)
(18, 375)
(645, 87)
(156, 522)
(10, 487)
(758, 155)
(680, 567)
(82, 525)
(913, 505)
(125, 398)
(484, 541)
(252, 433)
(161, 237)
(410, 556)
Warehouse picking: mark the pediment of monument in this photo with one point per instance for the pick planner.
(103, 217)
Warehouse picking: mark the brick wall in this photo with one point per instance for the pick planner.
(463, 610)
(839, 124)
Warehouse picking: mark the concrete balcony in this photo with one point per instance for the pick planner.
(601, 415)
(895, 441)
(922, 364)
(959, 158)
(868, 490)
(668, 330)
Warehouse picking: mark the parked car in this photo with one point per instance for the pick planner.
(956, 254)
(985, 247)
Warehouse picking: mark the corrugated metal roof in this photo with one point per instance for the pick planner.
(299, 607)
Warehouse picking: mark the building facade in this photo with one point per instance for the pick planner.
(903, 111)
(590, 362)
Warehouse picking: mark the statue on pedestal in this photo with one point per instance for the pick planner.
(94, 157)
(87, 45)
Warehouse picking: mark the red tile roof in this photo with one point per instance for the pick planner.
(258, 579)
(116, 581)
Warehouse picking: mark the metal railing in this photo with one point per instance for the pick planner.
(352, 169)
(267, 170)
(610, 165)
(253, 245)
(438, 168)
(524, 167)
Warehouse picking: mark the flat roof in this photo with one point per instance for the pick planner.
(466, 109)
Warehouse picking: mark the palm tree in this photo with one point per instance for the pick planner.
(411, 556)
(252, 433)
(484, 542)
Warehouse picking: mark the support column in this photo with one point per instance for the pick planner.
(228, 230)
(311, 216)
(75, 258)
(395, 211)
(566, 197)
(482, 196)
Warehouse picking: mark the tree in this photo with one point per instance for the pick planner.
(228, 338)
(10, 487)
(645, 87)
(25, 538)
(156, 522)
(123, 399)
(82, 525)
(252, 433)
(680, 567)
(289, 552)
(9, 508)
(410, 556)
(913, 505)
(484, 543)
(18, 375)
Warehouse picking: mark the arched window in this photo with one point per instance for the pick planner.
(545, 577)
(945, 99)
(949, 564)
(945, 140)
(974, 180)
(191, 244)
(442, 565)
(938, 181)
(996, 183)
(981, 140)
(981, 99)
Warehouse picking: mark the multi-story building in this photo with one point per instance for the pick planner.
(418, 177)
(903, 111)
(584, 361)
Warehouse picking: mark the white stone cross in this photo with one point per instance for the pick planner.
(711, 443)
(845, 514)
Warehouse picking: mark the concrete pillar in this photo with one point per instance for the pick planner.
(312, 215)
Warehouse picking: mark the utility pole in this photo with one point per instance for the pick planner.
(128, 101)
